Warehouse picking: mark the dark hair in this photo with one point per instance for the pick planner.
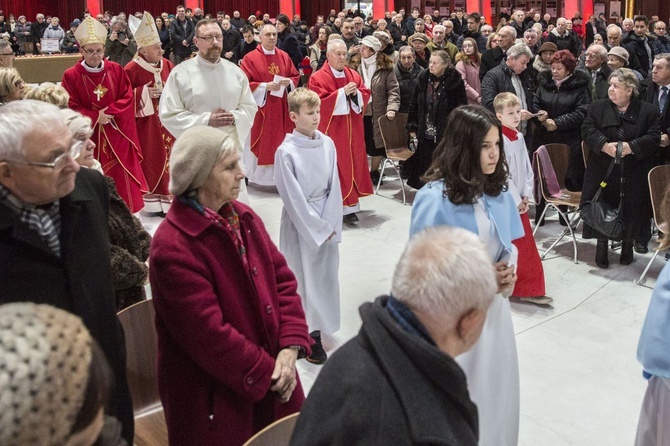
(641, 18)
(457, 158)
(566, 58)
(98, 389)
(476, 16)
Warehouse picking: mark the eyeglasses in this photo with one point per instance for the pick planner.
(61, 160)
(94, 53)
(210, 39)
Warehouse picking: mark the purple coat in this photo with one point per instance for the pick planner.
(220, 327)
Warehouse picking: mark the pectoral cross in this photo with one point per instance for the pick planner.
(100, 91)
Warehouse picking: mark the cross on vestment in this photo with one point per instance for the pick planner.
(149, 23)
(100, 91)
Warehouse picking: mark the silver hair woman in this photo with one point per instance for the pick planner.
(625, 118)
(229, 318)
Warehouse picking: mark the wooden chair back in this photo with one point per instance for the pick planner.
(659, 183)
(276, 434)
(138, 325)
(586, 153)
(560, 156)
(395, 137)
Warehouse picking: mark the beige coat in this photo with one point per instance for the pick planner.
(384, 89)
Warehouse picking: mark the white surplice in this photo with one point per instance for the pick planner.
(196, 87)
(305, 172)
(492, 365)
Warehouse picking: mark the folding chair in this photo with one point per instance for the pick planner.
(559, 155)
(659, 181)
(395, 144)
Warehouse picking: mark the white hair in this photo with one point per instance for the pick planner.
(519, 49)
(18, 119)
(333, 43)
(444, 272)
(508, 30)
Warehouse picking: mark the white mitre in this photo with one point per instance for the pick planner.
(144, 31)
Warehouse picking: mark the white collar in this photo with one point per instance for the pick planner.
(338, 74)
(93, 69)
(268, 52)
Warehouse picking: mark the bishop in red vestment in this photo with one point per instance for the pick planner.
(101, 90)
(272, 121)
(343, 98)
(148, 73)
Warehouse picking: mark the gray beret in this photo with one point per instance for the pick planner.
(193, 156)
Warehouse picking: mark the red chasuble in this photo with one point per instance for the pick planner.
(346, 132)
(272, 121)
(155, 140)
(117, 146)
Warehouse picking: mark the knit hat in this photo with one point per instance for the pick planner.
(90, 31)
(45, 354)
(620, 52)
(418, 36)
(548, 46)
(74, 24)
(193, 156)
(371, 42)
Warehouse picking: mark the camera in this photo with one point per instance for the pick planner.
(121, 35)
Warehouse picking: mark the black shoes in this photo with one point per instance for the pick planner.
(626, 252)
(641, 247)
(374, 176)
(350, 219)
(601, 254)
(318, 355)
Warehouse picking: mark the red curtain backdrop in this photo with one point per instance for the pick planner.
(246, 8)
(309, 9)
(154, 7)
(65, 10)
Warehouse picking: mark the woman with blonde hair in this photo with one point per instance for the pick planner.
(12, 86)
(467, 63)
(51, 93)
(492, 41)
(428, 23)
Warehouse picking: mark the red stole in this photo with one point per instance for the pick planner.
(272, 121)
(346, 132)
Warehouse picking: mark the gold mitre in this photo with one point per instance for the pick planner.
(144, 30)
(90, 31)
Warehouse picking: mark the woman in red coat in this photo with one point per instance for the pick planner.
(229, 319)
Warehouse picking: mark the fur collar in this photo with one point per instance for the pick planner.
(579, 79)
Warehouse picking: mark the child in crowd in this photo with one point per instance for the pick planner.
(530, 281)
(311, 223)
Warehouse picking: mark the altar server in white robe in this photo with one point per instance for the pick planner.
(305, 173)
(208, 90)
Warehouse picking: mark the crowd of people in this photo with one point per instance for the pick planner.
(174, 114)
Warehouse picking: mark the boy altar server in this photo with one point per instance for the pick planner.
(306, 176)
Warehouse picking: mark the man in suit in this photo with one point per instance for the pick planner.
(493, 57)
(182, 31)
(595, 63)
(656, 90)
(54, 241)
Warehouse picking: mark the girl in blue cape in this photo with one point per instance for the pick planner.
(467, 188)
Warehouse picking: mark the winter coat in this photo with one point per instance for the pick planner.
(661, 44)
(288, 42)
(470, 74)
(567, 107)
(649, 92)
(407, 81)
(387, 386)
(54, 33)
(499, 80)
(180, 32)
(635, 44)
(569, 41)
(642, 132)
(70, 43)
(453, 96)
(130, 249)
(479, 38)
(602, 81)
(220, 325)
(315, 55)
(490, 59)
(385, 94)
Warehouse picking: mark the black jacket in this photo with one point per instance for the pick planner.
(570, 41)
(499, 80)
(567, 106)
(479, 38)
(490, 59)
(453, 96)
(36, 33)
(642, 132)
(180, 32)
(287, 41)
(636, 45)
(649, 92)
(602, 81)
(407, 81)
(80, 281)
(231, 39)
(388, 387)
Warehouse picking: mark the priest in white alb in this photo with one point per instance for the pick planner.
(209, 90)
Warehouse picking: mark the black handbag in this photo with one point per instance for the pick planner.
(598, 214)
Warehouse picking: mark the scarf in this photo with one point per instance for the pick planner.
(146, 106)
(407, 320)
